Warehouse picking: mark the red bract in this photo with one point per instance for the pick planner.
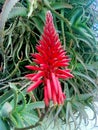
(51, 64)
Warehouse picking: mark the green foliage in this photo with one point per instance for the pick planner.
(18, 114)
(21, 24)
(5, 12)
(4, 125)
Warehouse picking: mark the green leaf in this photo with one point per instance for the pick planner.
(67, 113)
(30, 118)
(72, 36)
(73, 84)
(6, 96)
(85, 77)
(7, 7)
(79, 2)
(83, 97)
(6, 110)
(79, 58)
(18, 119)
(85, 37)
(81, 108)
(4, 125)
(42, 14)
(2, 1)
(15, 92)
(17, 11)
(62, 29)
(91, 68)
(60, 5)
(38, 23)
(34, 105)
(87, 30)
(76, 15)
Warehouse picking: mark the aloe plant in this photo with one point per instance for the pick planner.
(18, 36)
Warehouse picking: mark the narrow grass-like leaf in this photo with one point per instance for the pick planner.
(6, 96)
(81, 61)
(39, 104)
(67, 113)
(62, 27)
(81, 108)
(76, 15)
(83, 36)
(88, 30)
(30, 118)
(83, 97)
(86, 77)
(75, 87)
(38, 23)
(72, 36)
(60, 5)
(18, 119)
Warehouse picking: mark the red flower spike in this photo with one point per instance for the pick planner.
(52, 62)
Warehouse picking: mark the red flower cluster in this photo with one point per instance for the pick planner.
(52, 63)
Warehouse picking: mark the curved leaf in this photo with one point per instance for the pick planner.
(4, 125)
(17, 11)
(60, 5)
(85, 77)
